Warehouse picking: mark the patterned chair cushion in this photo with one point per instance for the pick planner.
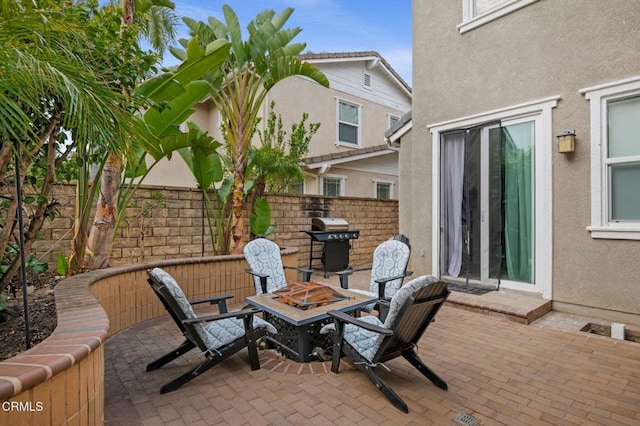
(367, 343)
(390, 259)
(403, 295)
(214, 334)
(263, 256)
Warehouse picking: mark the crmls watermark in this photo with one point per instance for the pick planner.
(22, 406)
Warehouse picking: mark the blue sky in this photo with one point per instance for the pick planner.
(329, 25)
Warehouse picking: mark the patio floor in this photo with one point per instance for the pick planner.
(498, 371)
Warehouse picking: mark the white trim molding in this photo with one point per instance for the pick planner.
(541, 112)
(471, 21)
(598, 96)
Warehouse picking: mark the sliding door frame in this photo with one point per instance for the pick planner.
(541, 112)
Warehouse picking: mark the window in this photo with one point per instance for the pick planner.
(479, 12)
(393, 119)
(297, 187)
(383, 190)
(615, 154)
(348, 123)
(333, 186)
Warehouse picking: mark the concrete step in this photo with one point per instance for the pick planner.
(515, 306)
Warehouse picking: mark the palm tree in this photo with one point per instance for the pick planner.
(52, 78)
(254, 66)
(157, 23)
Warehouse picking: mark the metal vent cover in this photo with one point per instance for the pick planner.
(466, 419)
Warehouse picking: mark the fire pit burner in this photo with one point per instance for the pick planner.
(308, 295)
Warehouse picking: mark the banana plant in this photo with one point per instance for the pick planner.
(172, 96)
(239, 89)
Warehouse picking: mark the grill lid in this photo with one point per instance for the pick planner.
(329, 224)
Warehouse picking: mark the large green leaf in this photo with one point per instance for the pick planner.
(205, 165)
(178, 109)
(260, 218)
(235, 34)
(198, 61)
(287, 66)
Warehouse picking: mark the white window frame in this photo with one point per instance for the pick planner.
(343, 184)
(541, 112)
(359, 126)
(469, 21)
(377, 182)
(598, 96)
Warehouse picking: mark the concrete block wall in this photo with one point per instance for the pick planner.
(178, 230)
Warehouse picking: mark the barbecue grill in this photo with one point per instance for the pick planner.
(334, 234)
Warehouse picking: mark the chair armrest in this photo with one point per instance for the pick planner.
(263, 278)
(345, 318)
(386, 280)
(221, 301)
(382, 283)
(383, 309)
(344, 275)
(236, 314)
(306, 273)
(256, 273)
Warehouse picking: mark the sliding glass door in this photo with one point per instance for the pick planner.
(488, 203)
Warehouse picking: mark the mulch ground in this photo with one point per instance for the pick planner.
(41, 313)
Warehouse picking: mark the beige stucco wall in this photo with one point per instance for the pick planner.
(296, 95)
(549, 48)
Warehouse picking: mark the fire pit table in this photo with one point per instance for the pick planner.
(299, 311)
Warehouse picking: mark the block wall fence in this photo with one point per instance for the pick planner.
(180, 231)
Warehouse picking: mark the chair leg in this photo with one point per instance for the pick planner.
(250, 339)
(364, 366)
(393, 397)
(190, 375)
(411, 356)
(185, 347)
(337, 336)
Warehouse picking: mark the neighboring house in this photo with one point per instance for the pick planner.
(348, 155)
(487, 197)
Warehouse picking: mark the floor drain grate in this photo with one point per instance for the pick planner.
(466, 419)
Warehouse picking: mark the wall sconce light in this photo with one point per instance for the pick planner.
(567, 141)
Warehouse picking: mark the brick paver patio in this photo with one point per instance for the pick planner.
(498, 371)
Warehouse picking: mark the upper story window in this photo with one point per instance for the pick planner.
(478, 12)
(615, 154)
(349, 118)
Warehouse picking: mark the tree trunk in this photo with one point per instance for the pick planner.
(237, 205)
(101, 235)
(102, 231)
(38, 217)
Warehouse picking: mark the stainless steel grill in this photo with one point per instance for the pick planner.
(335, 234)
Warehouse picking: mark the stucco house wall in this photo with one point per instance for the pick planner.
(386, 96)
(550, 48)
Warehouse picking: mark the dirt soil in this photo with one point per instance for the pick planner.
(42, 316)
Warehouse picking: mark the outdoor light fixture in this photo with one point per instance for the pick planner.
(567, 141)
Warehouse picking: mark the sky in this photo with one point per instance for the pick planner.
(327, 25)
